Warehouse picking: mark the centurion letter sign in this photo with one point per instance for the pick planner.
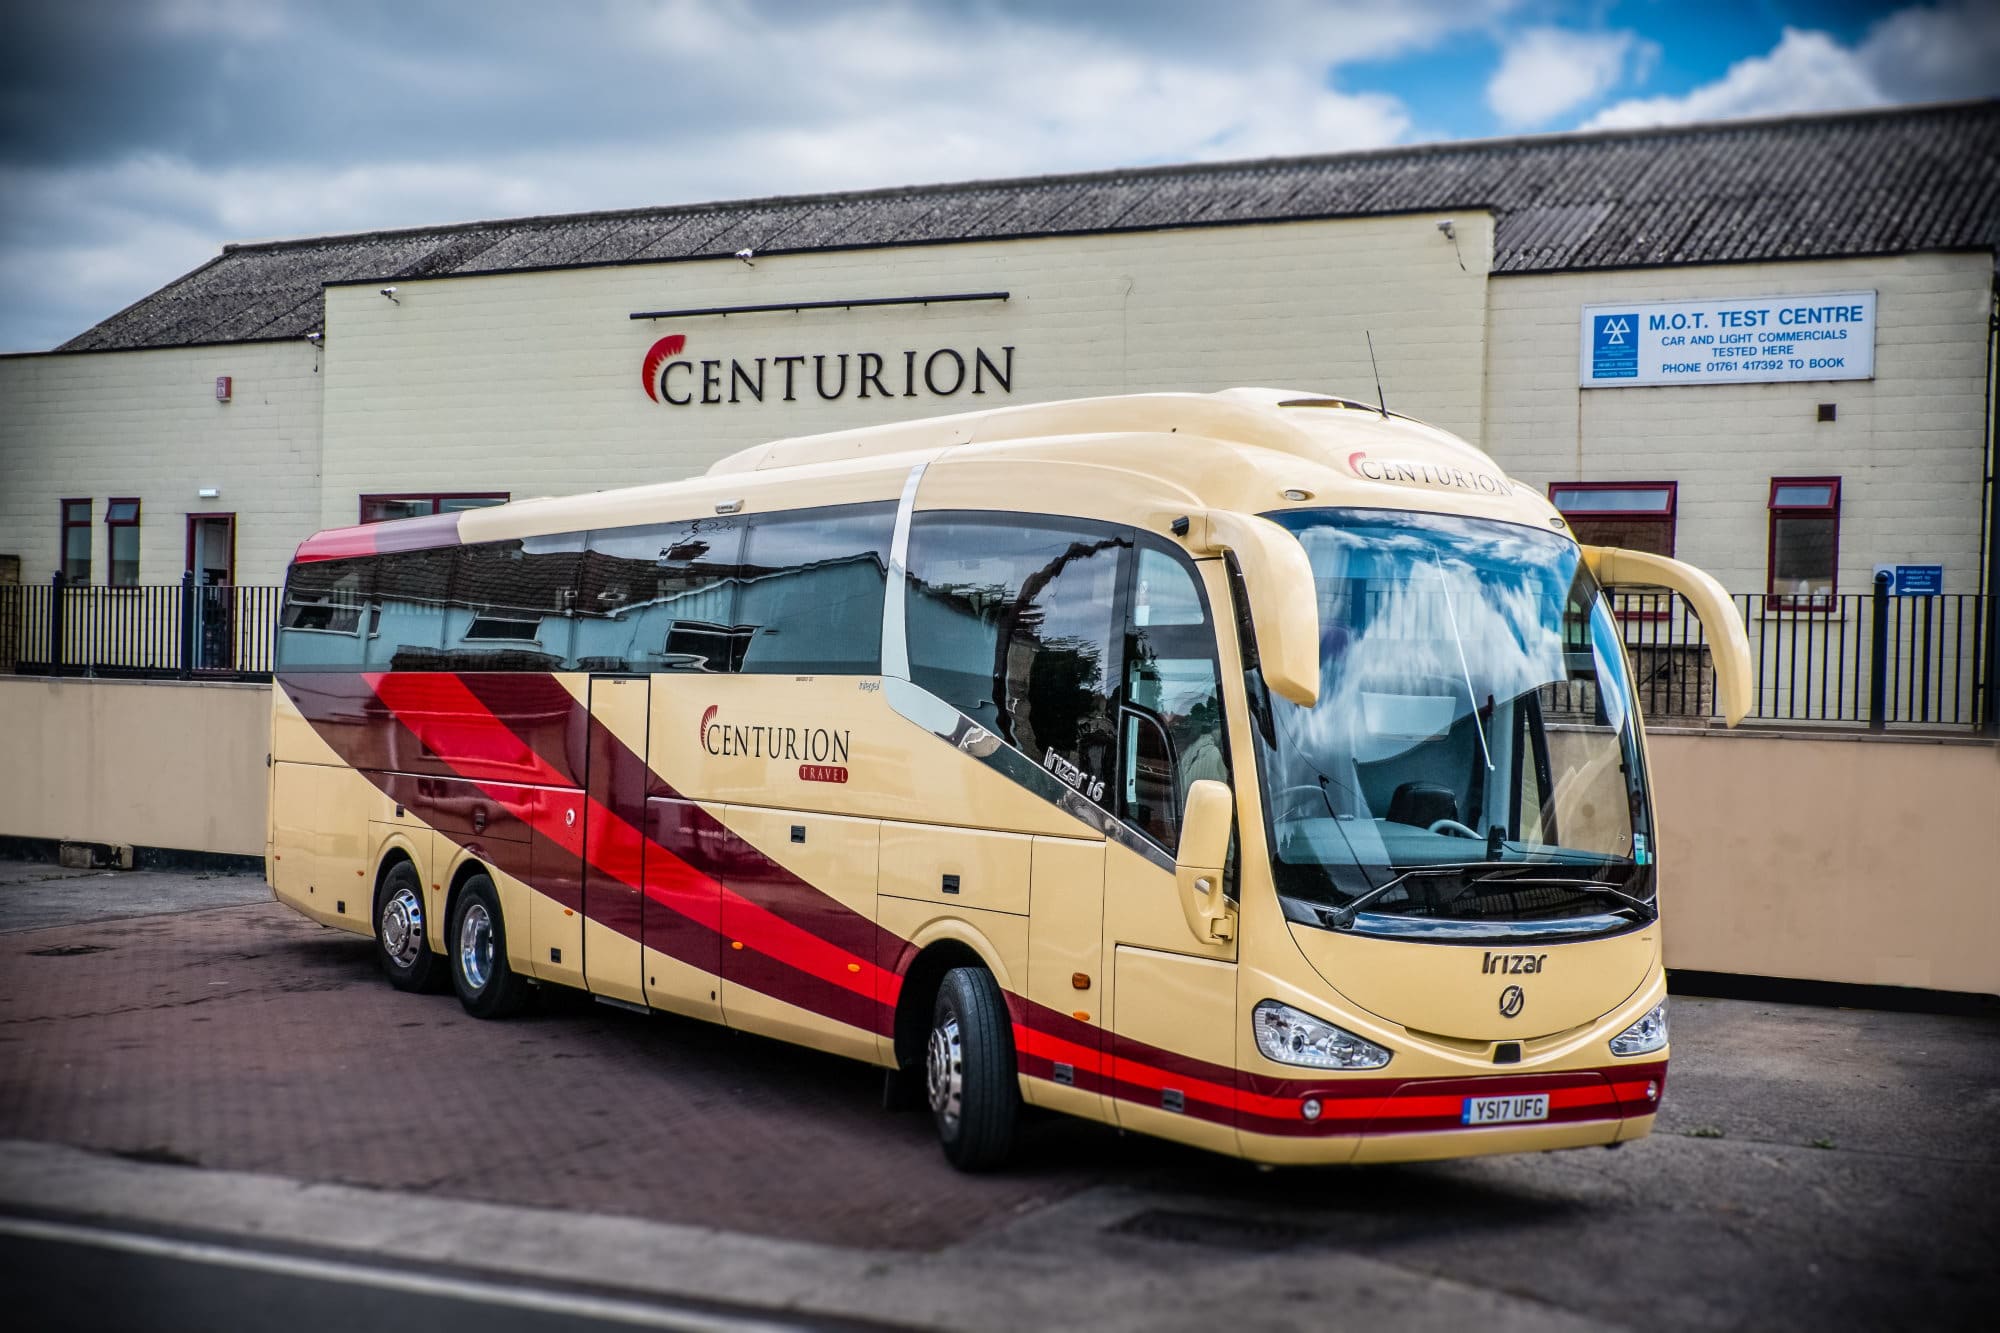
(1728, 340)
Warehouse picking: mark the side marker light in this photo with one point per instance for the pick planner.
(1309, 1108)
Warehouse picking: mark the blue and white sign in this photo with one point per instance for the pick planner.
(1729, 340)
(1913, 580)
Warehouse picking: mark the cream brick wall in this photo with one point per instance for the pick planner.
(147, 424)
(530, 383)
(1908, 444)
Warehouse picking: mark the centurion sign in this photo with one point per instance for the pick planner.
(1728, 340)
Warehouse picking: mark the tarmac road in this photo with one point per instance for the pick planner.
(235, 1074)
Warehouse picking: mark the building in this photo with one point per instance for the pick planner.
(1763, 346)
(1767, 347)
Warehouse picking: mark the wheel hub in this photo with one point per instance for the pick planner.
(403, 927)
(945, 1072)
(475, 946)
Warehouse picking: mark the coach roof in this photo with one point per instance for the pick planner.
(1805, 187)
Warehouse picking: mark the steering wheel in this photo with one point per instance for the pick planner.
(1453, 827)
(1283, 805)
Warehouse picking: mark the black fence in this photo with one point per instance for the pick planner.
(1858, 660)
(179, 630)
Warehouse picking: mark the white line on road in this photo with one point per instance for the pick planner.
(572, 1305)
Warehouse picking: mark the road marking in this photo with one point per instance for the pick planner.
(574, 1305)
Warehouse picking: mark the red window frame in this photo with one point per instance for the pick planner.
(1775, 511)
(111, 525)
(68, 524)
(1669, 518)
(435, 498)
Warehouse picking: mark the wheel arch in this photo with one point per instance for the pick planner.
(941, 946)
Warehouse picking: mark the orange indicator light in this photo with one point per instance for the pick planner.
(854, 967)
(736, 944)
(1081, 1015)
(568, 912)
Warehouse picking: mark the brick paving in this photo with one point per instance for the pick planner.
(248, 1038)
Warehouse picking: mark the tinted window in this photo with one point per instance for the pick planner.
(1016, 622)
(811, 595)
(1172, 683)
(661, 597)
(511, 606)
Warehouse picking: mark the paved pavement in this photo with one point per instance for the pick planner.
(1812, 1165)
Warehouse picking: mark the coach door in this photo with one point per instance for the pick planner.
(1173, 1001)
(614, 863)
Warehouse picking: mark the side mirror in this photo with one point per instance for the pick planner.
(1283, 605)
(1729, 646)
(1205, 827)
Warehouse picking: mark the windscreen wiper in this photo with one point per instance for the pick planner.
(1502, 872)
(1647, 911)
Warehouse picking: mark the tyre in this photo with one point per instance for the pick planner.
(402, 944)
(975, 1094)
(486, 986)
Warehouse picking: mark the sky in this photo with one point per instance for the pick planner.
(137, 137)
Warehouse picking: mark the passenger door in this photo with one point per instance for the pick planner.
(1173, 1002)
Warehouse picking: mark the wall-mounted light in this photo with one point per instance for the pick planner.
(209, 493)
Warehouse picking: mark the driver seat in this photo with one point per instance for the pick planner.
(1423, 804)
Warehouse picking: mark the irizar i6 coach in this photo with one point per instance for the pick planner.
(1257, 769)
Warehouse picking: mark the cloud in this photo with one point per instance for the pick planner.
(1545, 72)
(1917, 54)
(132, 145)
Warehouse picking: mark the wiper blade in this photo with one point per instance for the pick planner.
(1647, 911)
(1496, 872)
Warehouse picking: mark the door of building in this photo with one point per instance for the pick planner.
(211, 560)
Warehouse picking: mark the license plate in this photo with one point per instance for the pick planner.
(1506, 1110)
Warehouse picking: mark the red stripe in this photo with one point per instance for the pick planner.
(451, 721)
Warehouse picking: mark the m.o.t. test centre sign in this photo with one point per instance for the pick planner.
(1729, 341)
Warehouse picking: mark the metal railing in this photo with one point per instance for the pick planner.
(179, 630)
(1858, 660)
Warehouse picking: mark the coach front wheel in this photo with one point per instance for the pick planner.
(486, 986)
(969, 1070)
(401, 947)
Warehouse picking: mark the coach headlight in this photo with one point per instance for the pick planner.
(1644, 1037)
(1293, 1038)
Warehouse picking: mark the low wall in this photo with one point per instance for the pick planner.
(1863, 859)
(150, 763)
(1859, 859)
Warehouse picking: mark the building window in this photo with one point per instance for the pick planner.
(382, 508)
(1805, 540)
(121, 523)
(75, 549)
(1633, 515)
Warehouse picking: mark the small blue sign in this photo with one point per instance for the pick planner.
(1919, 580)
(1614, 347)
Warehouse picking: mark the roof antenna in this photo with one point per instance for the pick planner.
(1381, 404)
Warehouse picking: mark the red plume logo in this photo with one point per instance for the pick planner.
(707, 718)
(656, 356)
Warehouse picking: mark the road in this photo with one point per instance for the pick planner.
(204, 1063)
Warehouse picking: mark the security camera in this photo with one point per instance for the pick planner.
(390, 292)
(745, 255)
(1450, 233)
(314, 337)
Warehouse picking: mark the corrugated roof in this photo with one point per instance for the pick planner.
(1877, 182)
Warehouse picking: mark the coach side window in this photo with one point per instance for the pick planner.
(404, 623)
(810, 600)
(661, 597)
(1173, 727)
(325, 614)
(1016, 621)
(512, 605)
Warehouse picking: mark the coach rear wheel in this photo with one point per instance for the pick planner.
(969, 1071)
(401, 946)
(486, 986)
